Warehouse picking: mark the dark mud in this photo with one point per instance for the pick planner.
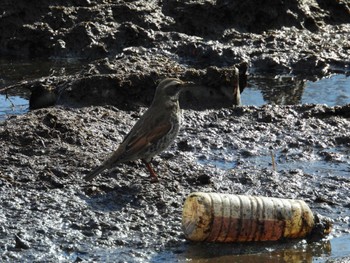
(302, 36)
(48, 213)
(46, 203)
(130, 82)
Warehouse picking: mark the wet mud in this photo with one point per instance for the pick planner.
(303, 37)
(45, 154)
(48, 213)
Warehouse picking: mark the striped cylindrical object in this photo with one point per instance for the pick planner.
(217, 217)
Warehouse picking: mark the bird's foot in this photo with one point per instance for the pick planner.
(154, 179)
(153, 176)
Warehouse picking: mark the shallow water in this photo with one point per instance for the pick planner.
(272, 252)
(280, 90)
(16, 101)
(316, 163)
(288, 90)
(13, 105)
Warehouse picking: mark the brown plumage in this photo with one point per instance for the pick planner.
(153, 132)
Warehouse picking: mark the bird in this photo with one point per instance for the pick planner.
(156, 129)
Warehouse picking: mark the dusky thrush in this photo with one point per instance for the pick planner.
(156, 129)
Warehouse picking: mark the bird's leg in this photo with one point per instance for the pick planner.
(154, 178)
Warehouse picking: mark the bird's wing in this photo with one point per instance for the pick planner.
(133, 146)
(140, 141)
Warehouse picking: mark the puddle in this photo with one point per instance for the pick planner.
(281, 90)
(301, 252)
(13, 105)
(334, 91)
(16, 101)
(269, 252)
(316, 163)
(287, 90)
(292, 252)
(219, 158)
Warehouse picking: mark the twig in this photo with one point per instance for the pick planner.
(273, 161)
(8, 98)
(13, 86)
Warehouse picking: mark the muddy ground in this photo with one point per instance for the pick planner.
(49, 214)
(303, 37)
(121, 214)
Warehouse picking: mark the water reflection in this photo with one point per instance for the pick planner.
(14, 71)
(289, 90)
(334, 91)
(12, 105)
(280, 90)
(14, 101)
(283, 252)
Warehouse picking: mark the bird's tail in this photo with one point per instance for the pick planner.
(109, 163)
(95, 172)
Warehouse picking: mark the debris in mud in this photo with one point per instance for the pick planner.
(215, 217)
(323, 227)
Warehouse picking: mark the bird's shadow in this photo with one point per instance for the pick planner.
(129, 187)
(104, 198)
